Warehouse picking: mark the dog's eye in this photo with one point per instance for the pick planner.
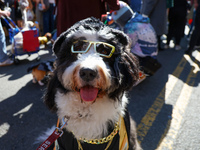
(103, 49)
(80, 46)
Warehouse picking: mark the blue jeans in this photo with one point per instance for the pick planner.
(3, 51)
(48, 19)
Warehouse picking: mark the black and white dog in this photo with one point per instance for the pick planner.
(94, 69)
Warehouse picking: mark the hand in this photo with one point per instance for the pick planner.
(43, 6)
(4, 13)
(7, 13)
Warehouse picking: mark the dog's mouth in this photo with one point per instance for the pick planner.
(89, 93)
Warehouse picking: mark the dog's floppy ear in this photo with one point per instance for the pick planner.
(57, 44)
(122, 38)
(126, 65)
(129, 68)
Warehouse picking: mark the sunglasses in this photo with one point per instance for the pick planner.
(101, 48)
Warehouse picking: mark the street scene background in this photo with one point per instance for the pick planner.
(165, 106)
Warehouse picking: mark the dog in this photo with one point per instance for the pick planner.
(94, 70)
(41, 71)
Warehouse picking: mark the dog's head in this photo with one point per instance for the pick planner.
(92, 60)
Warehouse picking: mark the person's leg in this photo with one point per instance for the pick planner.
(159, 42)
(3, 52)
(180, 25)
(46, 21)
(4, 59)
(52, 20)
(196, 33)
(39, 19)
(180, 32)
(170, 27)
(170, 33)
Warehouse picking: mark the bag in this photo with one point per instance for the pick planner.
(47, 5)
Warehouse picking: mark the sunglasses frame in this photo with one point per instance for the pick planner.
(94, 43)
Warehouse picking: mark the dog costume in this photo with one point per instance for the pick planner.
(40, 71)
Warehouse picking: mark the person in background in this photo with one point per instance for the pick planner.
(39, 16)
(30, 11)
(4, 59)
(156, 10)
(71, 11)
(177, 20)
(135, 5)
(18, 14)
(48, 17)
(195, 37)
(23, 7)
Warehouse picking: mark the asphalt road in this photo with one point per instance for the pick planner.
(165, 106)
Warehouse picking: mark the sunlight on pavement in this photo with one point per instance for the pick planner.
(148, 120)
(179, 108)
(4, 129)
(25, 109)
(177, 114)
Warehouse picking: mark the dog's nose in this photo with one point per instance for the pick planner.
(87, 74)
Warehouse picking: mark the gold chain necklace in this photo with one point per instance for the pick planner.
(109, 139)
(81, 148)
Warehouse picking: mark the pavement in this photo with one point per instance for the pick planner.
(23, 116)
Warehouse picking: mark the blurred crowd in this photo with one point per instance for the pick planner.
(36, 10)
(168, 17)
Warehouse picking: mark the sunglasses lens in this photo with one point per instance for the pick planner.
(103, 49)
(80, 46)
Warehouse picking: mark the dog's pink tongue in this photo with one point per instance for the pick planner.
(88, 93)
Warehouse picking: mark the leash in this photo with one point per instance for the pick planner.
(58, 132)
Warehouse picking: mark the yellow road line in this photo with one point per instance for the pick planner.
(149, 118)
(178, 111)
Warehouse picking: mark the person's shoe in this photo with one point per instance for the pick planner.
(7, 62)
(177, 47)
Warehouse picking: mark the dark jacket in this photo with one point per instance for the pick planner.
(71, 11)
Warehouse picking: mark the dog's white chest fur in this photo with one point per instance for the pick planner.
(89, 120)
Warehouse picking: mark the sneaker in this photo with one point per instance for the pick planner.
(177, 47)
(7, 62)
